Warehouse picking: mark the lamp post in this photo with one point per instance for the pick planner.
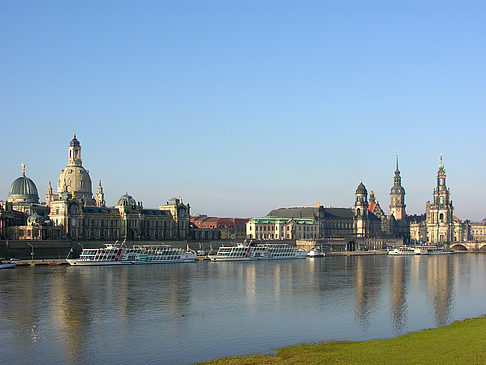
(31, 253)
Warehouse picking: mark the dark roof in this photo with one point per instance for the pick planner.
(338, 213)
(100, 210)
(296, 212)
(155, 212)
(361, 189)
(74, 142)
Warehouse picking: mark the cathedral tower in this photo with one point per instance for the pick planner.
(397, 197)
(439, 213)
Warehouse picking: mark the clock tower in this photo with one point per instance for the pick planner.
(397, 197)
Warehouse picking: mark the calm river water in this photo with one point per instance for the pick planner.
(183, 313)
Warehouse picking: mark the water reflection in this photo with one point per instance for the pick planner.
(367, 283)
(195, 312)
(398, 292)
(440, 281)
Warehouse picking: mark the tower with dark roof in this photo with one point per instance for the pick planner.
(361, 210)
(439, 213)
(397, 197)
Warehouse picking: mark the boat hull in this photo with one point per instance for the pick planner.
(223, 258)
(8, 265)
(77, 262)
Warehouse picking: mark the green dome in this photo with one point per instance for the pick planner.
(23, 189)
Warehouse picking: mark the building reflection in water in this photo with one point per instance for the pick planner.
(440, 283)
(368, 280)
(66, 314)
(22, 309)
(398, 292)
(76, 306)
(250, 283)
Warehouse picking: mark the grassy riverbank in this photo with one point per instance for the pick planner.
(463, 342)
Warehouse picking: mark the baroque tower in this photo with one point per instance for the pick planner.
(100, 196)
(439, 213)
(361, 210)
(397, 196)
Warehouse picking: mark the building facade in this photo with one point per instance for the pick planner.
(73, 213)
(271, 228)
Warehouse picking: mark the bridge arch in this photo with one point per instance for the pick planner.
(482, 248)
(459, 247)
(351, 246)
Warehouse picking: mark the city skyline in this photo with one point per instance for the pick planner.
(241, 108)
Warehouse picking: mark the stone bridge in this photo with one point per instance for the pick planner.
(468, 246)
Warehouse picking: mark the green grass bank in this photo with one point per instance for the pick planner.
(463, 342)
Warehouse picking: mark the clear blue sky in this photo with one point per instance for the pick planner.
(244, 106)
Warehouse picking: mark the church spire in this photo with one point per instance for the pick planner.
(397, 180)
(441, 164)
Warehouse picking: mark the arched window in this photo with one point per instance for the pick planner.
(358, 212)
(441, 216)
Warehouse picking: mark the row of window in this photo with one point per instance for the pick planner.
(276, 228)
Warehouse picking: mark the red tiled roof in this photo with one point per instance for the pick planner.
(371, 207)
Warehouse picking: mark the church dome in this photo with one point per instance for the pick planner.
(361, 189)
(74, 142)
(22, 190)
(126, 200)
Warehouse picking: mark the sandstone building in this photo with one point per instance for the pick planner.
(73, 213)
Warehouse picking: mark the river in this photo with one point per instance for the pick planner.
(185, 313)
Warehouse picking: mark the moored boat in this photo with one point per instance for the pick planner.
(252, 252)
(419, 250)
(402, 251)
(145, 254)
(239, 252)
(433, 250)
(7, 264)
(316, 252)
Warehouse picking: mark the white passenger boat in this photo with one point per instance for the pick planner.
(402, 251)
(419, 250)
(240, 252)
(146, 254)
(252, 251)
(316, 252)
(431, 250)
(7, 264)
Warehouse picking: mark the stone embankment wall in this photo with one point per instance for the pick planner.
(60, 249)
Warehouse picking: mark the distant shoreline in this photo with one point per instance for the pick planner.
(461, 342)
